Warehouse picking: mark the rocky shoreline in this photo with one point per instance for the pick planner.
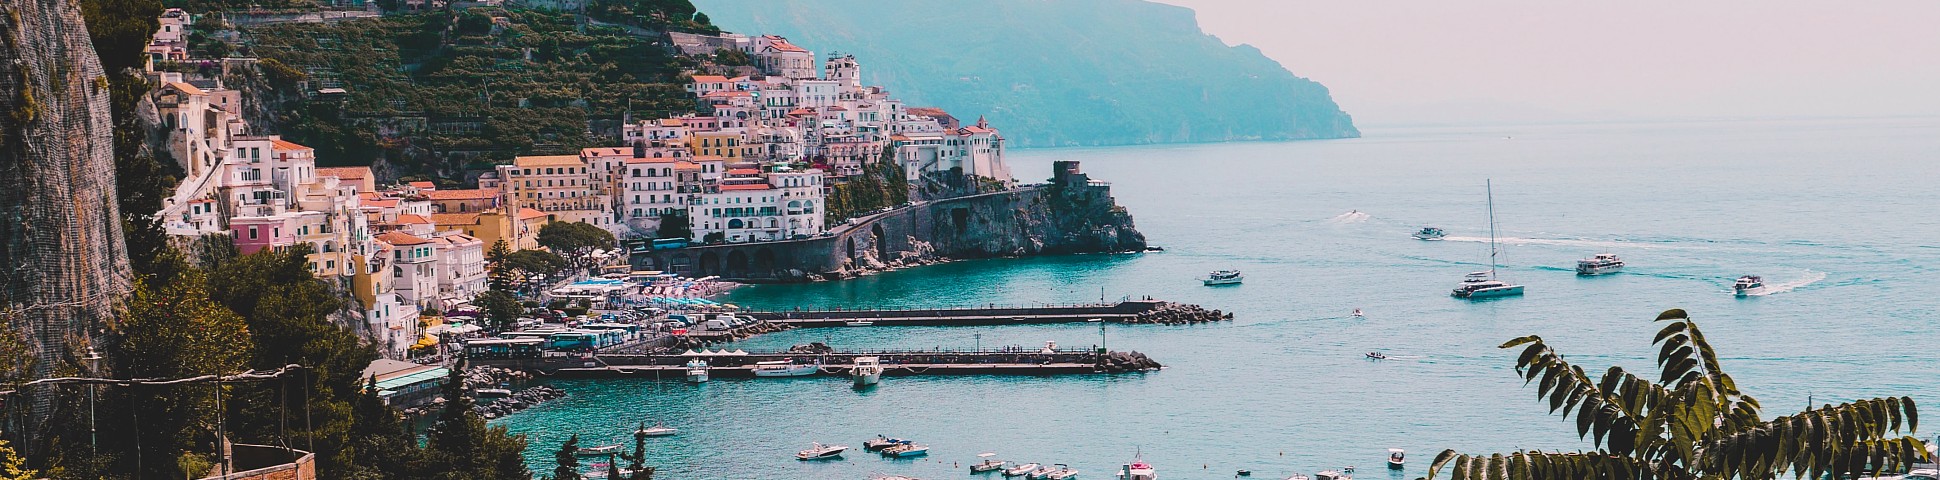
(1124, 362)
(689, 342)
(1172, 313)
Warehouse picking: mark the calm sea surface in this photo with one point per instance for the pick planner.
(1837, 215)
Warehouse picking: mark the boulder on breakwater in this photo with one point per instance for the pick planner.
(1172, 313)
(690, 342)
(1121, 362)
(521, 400)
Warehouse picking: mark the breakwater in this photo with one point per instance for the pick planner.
(1008, 361)
(1143, 311)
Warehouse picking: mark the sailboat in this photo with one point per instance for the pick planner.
(1484, 284)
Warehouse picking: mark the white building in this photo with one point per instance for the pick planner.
(461, 266)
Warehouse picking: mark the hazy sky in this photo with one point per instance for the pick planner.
(1432, 61)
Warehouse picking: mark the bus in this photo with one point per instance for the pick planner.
(669, 243)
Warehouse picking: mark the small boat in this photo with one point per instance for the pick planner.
(819, 451)
(658, 430)
(785, 368)
(1138, 470)
(893, 477)
(867, 371)
(1430, 233)
(1299, 476)
(988, 464)
(1748, 284)
(1599, 264)
(696, 371)
(1020, 470)
(906, 451)
(1358, 314)
(1041, 472)
(1243, 473)
(1154, 248)
(1376, 356)
(1396, 457)
(1223, 277)
(1334, 475)
(1063, 472)
(599, 451)
(882, 442)
(858, 323)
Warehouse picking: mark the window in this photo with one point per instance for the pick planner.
(252, 232)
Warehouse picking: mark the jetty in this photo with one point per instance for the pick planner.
(724, 364)
(1126, 311)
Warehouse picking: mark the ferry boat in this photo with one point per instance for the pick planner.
(988, 464)
(1430, 233)
(906, 451)
(658, 430)
(819, 451)
(785, 368)
(696, 371)
(882, 442)
(1748, 284)
(1020, 470)
(1396, 457)
(1223, 277)
(1483, 284)
(1599, 264)
(1138, 470)
(867, 371)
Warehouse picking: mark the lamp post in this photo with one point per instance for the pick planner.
(94, 369)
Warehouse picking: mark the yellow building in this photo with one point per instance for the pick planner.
(718, 144)
(562, 186)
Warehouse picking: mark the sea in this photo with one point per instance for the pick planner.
(1837, 215)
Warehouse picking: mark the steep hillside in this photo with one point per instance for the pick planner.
(1054, 73)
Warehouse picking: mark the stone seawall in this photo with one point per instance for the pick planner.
(1071, 214)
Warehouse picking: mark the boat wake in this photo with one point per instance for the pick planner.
(1352, 216)
(1811, 277)
(1562, 242)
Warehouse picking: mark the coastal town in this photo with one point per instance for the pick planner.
(755, 163)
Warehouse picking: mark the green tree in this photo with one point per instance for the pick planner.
(12, 467)
(732, 57)
(674, 225)
(637, 461)
(501, 309)
(389, 449)
(1691, 423)
(460, 446)
(568, 459)
(501, 276)
(714, 237)
(530, 263)
(575, 241)
(170, 332)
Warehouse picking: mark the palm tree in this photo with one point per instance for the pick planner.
(1692, 423)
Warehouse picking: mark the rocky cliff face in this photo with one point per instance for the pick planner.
(61, 247)
(1051, 219)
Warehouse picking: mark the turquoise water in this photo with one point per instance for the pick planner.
(1836, 214)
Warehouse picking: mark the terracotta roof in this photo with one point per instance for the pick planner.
(709, 79)
(465, 194)
(528, 214)
(380, 202)
(745, 186)
(686, 166)
(802, 111)
(548, 161)
(412, 219)
(186, 88)
(652, 160)
(281, 144)
(925, 111)
(345, 173)
(709, 158)
(423, 185)
(743, 171)
(727, 93)
(604, 151)
(780, 43)
(401, 238)
(837, 108)
(446, 219)
(977, 129)
(671, 122)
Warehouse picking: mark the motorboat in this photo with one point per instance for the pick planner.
(819, 451)
(1138, 470)
(867, 371)
(1376, 356)
(785, 368)
(893, 477)
(1484, 284)
(906, 451)
(1357, 313)
(1243, 473)
(599, 451)
(658, 430)
(988, 464)
(1299, 476)
(1430, 233)
(1748, 284)
(1020, 470)
(1063, 472)
(696, 371)
(1599, 264)
(858, 323)
(1396, 458)
(1042, 472)
(882, 442)
(1334, 475)
(1224, 277)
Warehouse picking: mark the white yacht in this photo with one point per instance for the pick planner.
(1430, 233)
(696, 371)
(1223, 277)
(867, 371)
(785, 368)
(1747, 285)
(819, 451)
(1483, 284)
(1335, 475)
(1599, 264)
(658, 430)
